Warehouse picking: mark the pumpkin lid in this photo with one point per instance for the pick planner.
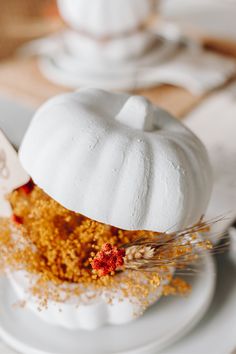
(118, 159)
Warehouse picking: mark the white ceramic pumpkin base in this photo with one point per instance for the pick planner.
(161, 325)
(92, 312)
(66, 68)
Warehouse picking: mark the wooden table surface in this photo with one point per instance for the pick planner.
(22, 80)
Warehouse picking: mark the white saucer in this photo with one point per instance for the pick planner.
(161, 325)
(64, 68)
(174, 61)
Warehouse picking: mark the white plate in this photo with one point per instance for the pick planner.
(162, 324)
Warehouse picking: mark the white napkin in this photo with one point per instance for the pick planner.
(212, 17)
(198, 71)
(214, 121)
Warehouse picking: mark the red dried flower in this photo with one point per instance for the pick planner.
(17, 219)
(27, 188)
(108, 259)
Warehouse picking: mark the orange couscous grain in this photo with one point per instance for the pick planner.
(55, 246)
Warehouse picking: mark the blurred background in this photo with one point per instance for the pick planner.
(134, 45)
(212, 20)
(24, 20)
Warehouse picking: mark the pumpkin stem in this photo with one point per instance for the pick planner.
(137, 113)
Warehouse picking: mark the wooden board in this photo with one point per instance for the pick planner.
(22, 80)
(24, 20)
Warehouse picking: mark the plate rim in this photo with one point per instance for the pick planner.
(149, 348)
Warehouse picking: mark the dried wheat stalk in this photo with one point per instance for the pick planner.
(151, 253)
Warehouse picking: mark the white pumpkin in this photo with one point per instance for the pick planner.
(102, 18)
(118, 159)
